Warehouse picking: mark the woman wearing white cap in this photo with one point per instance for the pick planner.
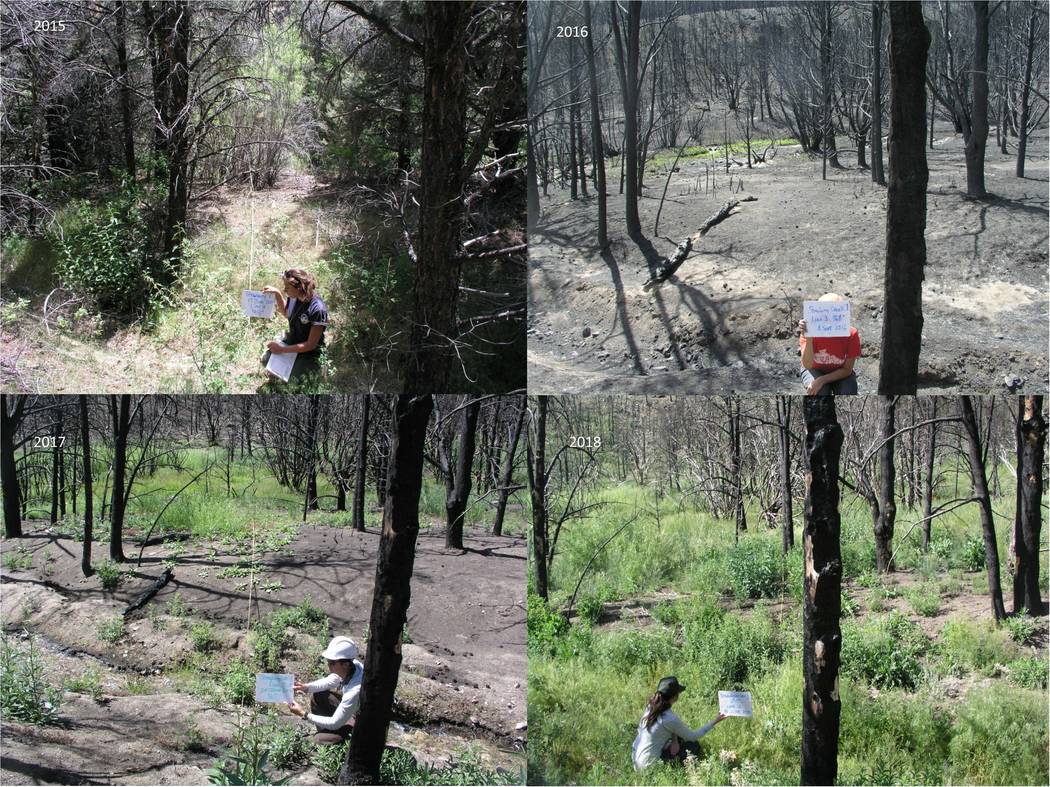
(333, 699)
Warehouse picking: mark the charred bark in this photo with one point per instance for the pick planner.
(906, 202)
(1030, 479)
(456, 501)
(980, 491)
(9, 422)
(506, 476)
(537, 470)
(358, 521)
(89, 522)
(887, 479)
(392, 593)
(119, 498)
(821, 634)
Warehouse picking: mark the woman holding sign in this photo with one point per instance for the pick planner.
(333, 699)
(662, 736)
(307, 319)
(827, 361)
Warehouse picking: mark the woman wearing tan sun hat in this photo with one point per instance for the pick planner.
(334, 699)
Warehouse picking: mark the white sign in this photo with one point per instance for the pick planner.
(826, 318)
(735, 703)
(280, 364)
(270, 687)
(257, 304)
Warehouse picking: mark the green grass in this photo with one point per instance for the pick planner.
(588, 683)
(110, 630)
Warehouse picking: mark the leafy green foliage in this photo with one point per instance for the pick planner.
(107, 253)
(544, 625)
(1021, 627)
(111, 629)
(88, 682)
(238, 683)
(924, 599)
(755, 569)
(1030, 672)
(24, 693)
(109, 575)
(203, 637)
(1000, 737)
(978, 646)
(18, 558)
(884, 651)
(973, 554)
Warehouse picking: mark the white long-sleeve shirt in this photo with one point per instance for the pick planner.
(650, 742)
(347, 706)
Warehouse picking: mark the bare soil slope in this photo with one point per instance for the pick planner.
(727, 321)
(463, 675)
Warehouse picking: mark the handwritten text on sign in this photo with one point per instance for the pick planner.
(826, 318)
(257, 304)
(270, 687)
(735, 703)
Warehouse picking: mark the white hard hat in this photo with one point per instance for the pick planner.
(341, 649)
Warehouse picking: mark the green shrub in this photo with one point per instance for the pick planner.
(111, 629)
(108, 254)
(544, 625)
(756, 569)
(978, 646)
(238, 684)
(669, 613)
(1000, 737)
(941, 548)
(24, 693)
(590, 607)
(88, 682)
(328, 759)
(633, 647)
(109, 575)
(924, 600)
(1021, 627)
(203, 637)
(734, 650)
(884, 651)
(1029, 672)
(973, 554)
(289, 745)
(18, 558)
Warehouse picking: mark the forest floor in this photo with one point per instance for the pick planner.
(198, 341)
(727, 321)
(158, 714)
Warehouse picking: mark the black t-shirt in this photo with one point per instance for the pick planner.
(302, 316)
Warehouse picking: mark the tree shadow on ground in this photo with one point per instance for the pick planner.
(621, 309)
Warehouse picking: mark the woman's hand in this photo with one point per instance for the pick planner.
(276, 348)
(802, 327)
(298, 686)
(815, 386)
(297, 710)
(720, 717)
(273, 290)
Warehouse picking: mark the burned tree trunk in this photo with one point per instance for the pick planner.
(980, 491)
(597, 151)
(119, 498)
(358, 521)
(739, 513)
(626, 51)
(977, 140)
(506, 477)
(89, 522)
(456, 502)
(57, 466)
(9, 421)
(821, 635)
(887, 478)
(310, 499)
(927, 486)
(393, 590)
(1030, 479)
(878, 175)
(906, 202)
(538, 490)
(786, 505)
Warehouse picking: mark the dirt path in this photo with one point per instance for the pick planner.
(726, 321)
(463, 675)
(65, 354)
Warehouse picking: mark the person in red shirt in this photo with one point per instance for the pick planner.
(827, 361)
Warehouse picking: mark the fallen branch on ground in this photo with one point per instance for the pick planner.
(669, 265)
(149, 593)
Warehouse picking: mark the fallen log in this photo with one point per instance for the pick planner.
(669, 265)
(143, 598)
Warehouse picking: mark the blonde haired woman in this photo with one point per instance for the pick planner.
(307, 318)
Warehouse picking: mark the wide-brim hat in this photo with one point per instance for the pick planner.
(670, 686)
(341, 649)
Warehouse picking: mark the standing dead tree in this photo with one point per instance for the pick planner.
(821, 633)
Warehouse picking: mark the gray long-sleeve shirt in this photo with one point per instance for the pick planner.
(650, 741)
